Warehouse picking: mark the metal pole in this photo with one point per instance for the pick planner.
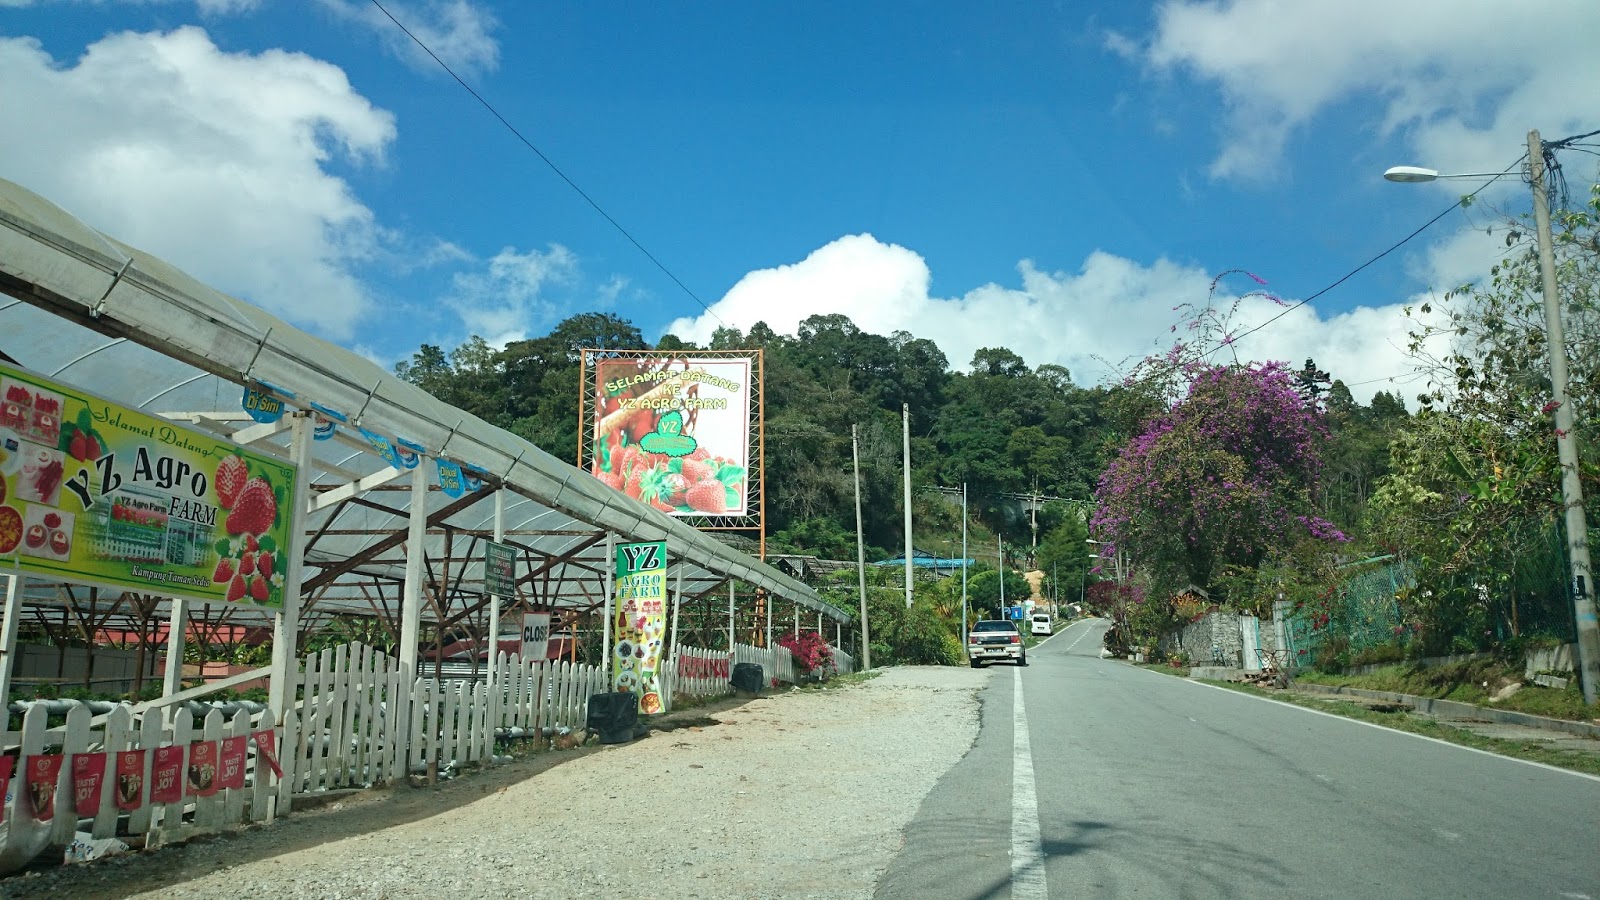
(963, 561)
(905, 435)
(610, 570)
(494, 615)
(730, 617)
(677, 606)
(766, 603)
(177, 624)
(8, 637)
(1000, 542)
(1566, 440)
(861, 556)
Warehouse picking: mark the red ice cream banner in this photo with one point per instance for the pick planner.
(266, 748)
(130, 778)
(166, 775)
(7, 766)
(42, 774)
(203, 768)
(231, 776)
(88, 774)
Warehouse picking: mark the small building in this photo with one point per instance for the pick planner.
(925, 562)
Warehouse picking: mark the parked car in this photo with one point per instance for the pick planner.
(1041, 623)
(993, 639)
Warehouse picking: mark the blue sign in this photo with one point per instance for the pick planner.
(327, 421)
(382, 445)
(261, 404)
(410, 452)
(1015, 612)
(450, 478)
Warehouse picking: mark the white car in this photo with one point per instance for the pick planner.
(1040, 624)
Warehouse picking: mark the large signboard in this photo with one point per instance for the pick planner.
(674, 433)
(95, 492)
(640, 621)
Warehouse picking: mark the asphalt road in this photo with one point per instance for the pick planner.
(1119, 782)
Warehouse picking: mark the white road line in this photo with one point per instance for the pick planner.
(1027, 851)
(1420, 737)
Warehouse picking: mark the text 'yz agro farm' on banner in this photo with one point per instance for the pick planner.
(674, 433)
(98, 493)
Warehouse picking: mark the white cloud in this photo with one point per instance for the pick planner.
(510, 293)
(1463, 79)
(215, 161)
(208, 7)
(1112, 309)
(458, 31)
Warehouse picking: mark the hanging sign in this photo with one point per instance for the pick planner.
(535, 635)
(474, 478)
(231, 765)
(88, 772)
(130, 778)
(640, 620)
(43, 772)
(166, 775)
(262, 403)
(326, 421)
(451, 480)
(92, 491)
(499, 569)
(203, 768)
(6, 768)
(266, 742)
(410, 452)
(382, 445)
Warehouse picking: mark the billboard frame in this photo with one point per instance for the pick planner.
(756, 452)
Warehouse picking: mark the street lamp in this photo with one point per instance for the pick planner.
(1566, 441)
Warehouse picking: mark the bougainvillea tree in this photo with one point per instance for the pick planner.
(1220, 480)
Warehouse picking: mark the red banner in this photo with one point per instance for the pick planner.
(88, 773)
(232, 764)
(266, 744)
(7, 766)
(43, 771)
(203, 768)
(166, 776)
(130, 779)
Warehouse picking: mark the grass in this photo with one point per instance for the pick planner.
(1465, 682)
(1575, 760)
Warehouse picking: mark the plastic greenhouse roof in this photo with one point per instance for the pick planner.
(96, 313)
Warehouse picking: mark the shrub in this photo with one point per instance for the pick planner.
(810, 650)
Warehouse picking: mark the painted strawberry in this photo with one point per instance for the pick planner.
(258, 589)
(672, 487)
(250, 543)
(696, 470)
(700, 453)
(254, 510)
(708, 496)
(264, 564)
(230, 480)
(82, 447)
(223, 572)
(662, 506)
(236, 589)
(247, 562)
(610, 479)
(635, 484)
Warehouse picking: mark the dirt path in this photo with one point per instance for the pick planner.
(803, 794)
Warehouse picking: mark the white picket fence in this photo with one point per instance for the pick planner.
(359, 719)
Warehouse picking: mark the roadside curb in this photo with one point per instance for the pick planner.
(1455, 709)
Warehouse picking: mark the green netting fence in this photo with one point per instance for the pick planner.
(1523, 591)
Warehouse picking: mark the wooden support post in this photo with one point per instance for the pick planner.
(177, 624)
(609, 567)
(8, 637)
(286, 622)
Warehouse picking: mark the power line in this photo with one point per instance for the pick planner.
(547, 161)
(1393, 247)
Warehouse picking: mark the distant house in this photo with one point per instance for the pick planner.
(940, 566)
(807, 569)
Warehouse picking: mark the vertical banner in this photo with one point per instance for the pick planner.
(535, 635)
(130, 778)
(166, 775)
(673, 434)
(451, 480)
(88, 773)
(640, 621)
(203, 768)
(231, 776)
(43, 771)
(266, 744)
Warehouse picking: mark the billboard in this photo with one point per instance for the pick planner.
(674, 432)
(92, 491)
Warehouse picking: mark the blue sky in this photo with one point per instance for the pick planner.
(1049, 177)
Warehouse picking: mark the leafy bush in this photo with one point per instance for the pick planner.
(1383, 653)
(810, 651)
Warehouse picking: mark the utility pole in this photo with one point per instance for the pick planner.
(1566, 442)
(1000, 543)
(905, 437)
(1033, 515)
(964, 631)
(861, 556)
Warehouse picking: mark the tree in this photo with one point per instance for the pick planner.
(1219, 481)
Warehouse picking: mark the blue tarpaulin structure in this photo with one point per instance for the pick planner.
(922, 559)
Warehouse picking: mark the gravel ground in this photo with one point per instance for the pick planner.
(803, 794)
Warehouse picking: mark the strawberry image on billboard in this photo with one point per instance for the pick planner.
(675, 432)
